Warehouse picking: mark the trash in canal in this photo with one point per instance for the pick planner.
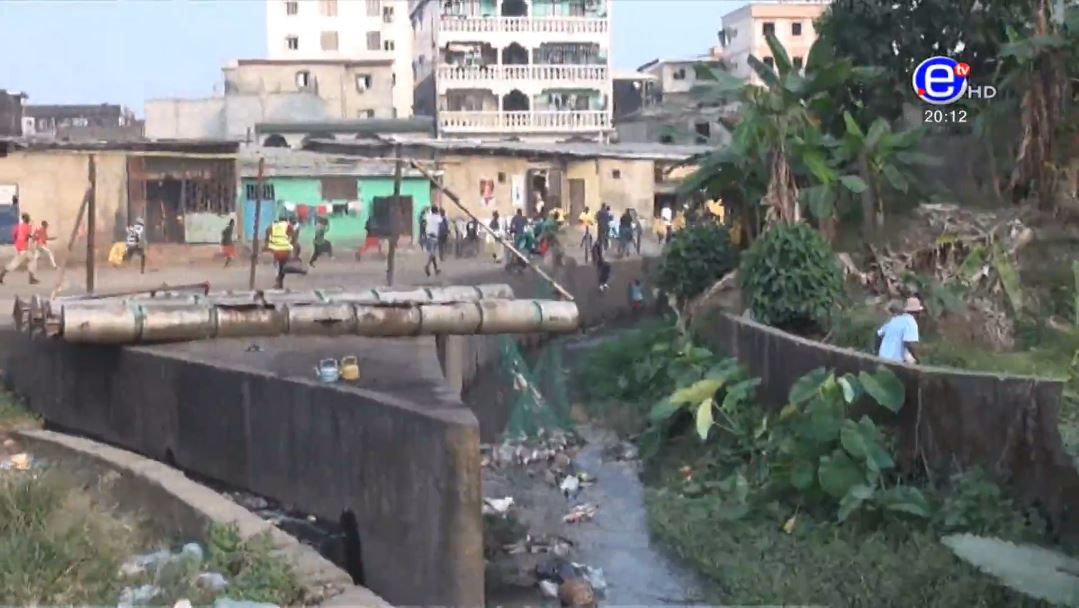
(571, 485)
(18, 462)
(139, 595)
(581, 513)
(549, 589)
(576, 593)
(497, 506)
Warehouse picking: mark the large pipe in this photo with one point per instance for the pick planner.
(155, 322)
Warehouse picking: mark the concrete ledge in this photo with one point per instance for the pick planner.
(399, 452)
(182, 508)
(952, 418)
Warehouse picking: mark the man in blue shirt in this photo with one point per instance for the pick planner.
(896, 338)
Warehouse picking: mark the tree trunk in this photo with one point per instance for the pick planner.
(869, 205)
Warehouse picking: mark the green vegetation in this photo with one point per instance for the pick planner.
(697, 257)
(13, 415)
(59, 546)
(790, 279)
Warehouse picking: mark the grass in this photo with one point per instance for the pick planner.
(753, 561)
(58, 546)
(14, 415)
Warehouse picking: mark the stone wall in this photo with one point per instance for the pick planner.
(401, 453)
(951, 418)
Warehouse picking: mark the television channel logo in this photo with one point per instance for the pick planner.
(943, 80)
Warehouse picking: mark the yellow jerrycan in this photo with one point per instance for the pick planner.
(350, 368)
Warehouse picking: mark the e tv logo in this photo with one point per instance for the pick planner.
(943, 80)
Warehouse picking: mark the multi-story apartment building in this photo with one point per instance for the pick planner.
(340, 30)
(536, 70)
(744, 31)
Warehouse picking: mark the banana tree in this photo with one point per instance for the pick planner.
(887, 163)
(777, 146)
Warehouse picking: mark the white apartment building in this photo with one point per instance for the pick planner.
(743, 32)
(353, 30)
(537, 70)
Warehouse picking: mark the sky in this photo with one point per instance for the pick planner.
(127, 51)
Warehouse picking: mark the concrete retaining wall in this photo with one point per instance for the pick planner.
(402, 454)
(180, 508)
(951, 418)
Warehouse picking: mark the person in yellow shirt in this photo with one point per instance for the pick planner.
(717, 210)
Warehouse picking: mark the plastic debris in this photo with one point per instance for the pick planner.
(211, 580)
(594, 576)
(182, 604)
(580, 513)
(576, 593)
(497, 506)
(146, 562)
(549, 589)
(9, 443)
(225, 602)
(192, 551)
(18, 462)
(138, 595)
(570, 487)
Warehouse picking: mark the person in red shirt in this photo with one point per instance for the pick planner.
(41, 238)
(25, 251)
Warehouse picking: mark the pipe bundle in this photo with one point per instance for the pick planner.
(170, 317)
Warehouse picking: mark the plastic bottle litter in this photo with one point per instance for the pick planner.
(497, 506)
(139, 595)
(182, 604)
(211, 580)
(192, 551)
(549, 589)
(581, 513)
(594, 576)
(571, 485)
(146, 562)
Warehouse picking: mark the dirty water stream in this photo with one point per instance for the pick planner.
(614, 542)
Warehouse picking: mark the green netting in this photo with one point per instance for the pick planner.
(539, 401)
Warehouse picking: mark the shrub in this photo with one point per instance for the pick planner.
(696, 257)
(791, 279)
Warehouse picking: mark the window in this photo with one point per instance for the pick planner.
(704, 132)
(365, 114)
(768, 61)
(680, 74)
(393, 79)
(292, 43)
(363, 82)
(501, 177)
(769, 27)
(796, 28)
(387, 14)
(292, 8)
(328, 8)
(373, 8)
(303, 79)
(388, 45)
(374, 41)
(616, 173)
(251, 190)
(329, 41)
(798, 62)
(666, 139)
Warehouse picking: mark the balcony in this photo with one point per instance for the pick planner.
(523, 122)
(451, 74)
(542, 25)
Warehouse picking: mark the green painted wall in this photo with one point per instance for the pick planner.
(346, 231)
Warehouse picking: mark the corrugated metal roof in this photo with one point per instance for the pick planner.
(283, 162)
(642, 151)
(416, 124)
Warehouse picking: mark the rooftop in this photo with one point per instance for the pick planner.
(283, 162)
(642, 151)
(417, 124)
(159, 146)
(342, 62)
(72, 110)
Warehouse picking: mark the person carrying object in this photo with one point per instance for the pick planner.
(897, 338)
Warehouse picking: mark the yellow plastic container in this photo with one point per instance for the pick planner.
(350, 368)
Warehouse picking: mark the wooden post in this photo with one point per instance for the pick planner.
(91, 226)
(392, 248)
(258, 216)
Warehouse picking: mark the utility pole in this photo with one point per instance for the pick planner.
(258, 215)
(394, 210)
(91, 225)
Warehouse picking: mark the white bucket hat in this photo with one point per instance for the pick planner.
(913, 305)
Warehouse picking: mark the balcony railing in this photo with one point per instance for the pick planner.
(521, 122)
(553, 25)
(451, 73)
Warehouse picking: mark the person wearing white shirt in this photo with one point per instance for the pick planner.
(432, 227)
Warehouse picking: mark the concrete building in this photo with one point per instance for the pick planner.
(743, 32)
(80, 122)
(260, 90)
(353, 30)
(529, 69)
(506, 176)
(670, 111)
(11, 113)
(185, 191)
